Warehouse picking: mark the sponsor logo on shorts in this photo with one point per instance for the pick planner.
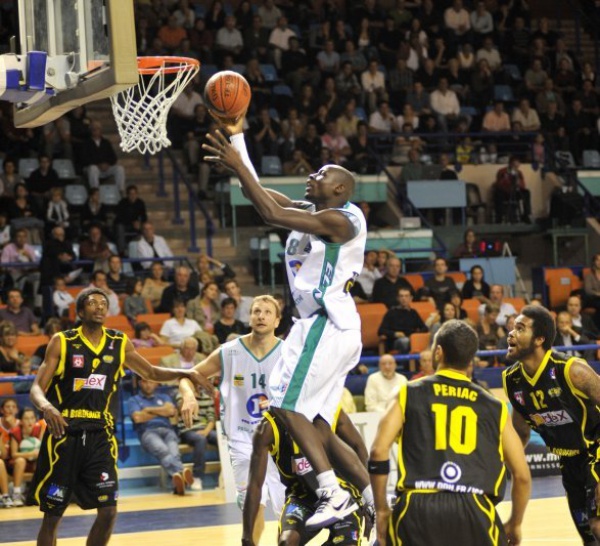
(56, 493)
(303, 466)
(450, 472)
(104, 476)
(520, 398)
(105, 482)
(77, 361)
(238, 380)
(254, 405)
(102, 498)
(94, 382)
(551, 418)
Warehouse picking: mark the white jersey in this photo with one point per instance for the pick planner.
(321, 273)
(244, 386)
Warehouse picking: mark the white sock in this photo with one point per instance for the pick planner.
(327, 480)
(17, 490)
(367, 495)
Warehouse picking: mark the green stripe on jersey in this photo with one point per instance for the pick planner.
(310, 346)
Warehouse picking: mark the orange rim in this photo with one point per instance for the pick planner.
(166, 64)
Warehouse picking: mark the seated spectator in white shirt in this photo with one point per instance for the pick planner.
(382, 384)
(445, 105)
(490, 53)
(279, 39)
(526, 116)
(383, 120)
(482, 21)
(20, 252)
(369, 273)
(151, 245)
(457, 19)
(61, 298)
(99, 281)
(506, 309)
(373, 84)
(176, 329)
(496, 119)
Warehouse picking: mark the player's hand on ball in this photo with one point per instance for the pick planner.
(232, 126)
(54, 421)
(221, 151)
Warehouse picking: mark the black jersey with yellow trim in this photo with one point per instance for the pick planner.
(451, 439)
(87, 377)
(566, 419)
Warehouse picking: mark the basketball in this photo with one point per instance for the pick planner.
(30, 443)
(227, 94)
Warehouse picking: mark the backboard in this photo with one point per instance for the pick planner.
(91, 53)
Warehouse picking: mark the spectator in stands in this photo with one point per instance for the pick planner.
(582, 322)
(177, 328)
(215, 18)
(57, 211)
(182, 114)
(182, 289)
(563, 52)
(383, 120)
(256, 40)
(100, 160)
(328, 59)
(349, 91)
(552, 121)
(336, 143)
(581, 131)
(550, 37)
(437, 288)
(482, 22)
(265, 133)
(244, 303)
(476, 287)
(361, 159)
(131, 216)
(381, 385)
(23, 212)
(145, 337)
(457, 22)
(311, 144)
(374, 85)
(279, 40)
(587, 73)
(385, 290)
(269, 13)
(526, 116)
(61, 298)
(154, 285)
(430, 17)
(413, 170)
(79, 128)
(57, 138)
(227, 324)
(588, 98)
(134, 304)
(568, 336)
(172, 34)
(23, 461)
(545, 97)
(115, 278)
(425, 365)
(400, 83)
(213, 269)
(98, 280)
(11, 359)
(489, 332)
(519, 37)
(199, 435)
(388, 42)
(469, 248)
(445, 105)
(94, 212)
(229, 40)
(496, 297)
(369, 273)
(95, 247)
(41, 180)
(19, 251)
(297, 71)
(591, 289)
(19, 315)
(9, 178)
(205, 308)
(438, 317)
(535, 77)
(298, 165)
(510, 191)
(150, 412)
(399, 323)
(5, 498)
(151, 245)
(482, 85)
(355, 57)
(490, 53)
(187, 356)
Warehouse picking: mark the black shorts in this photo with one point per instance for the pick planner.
(445, 519)
(296, 511)
(80, 463)
(580, 475)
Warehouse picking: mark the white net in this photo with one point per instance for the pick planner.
(141, 111)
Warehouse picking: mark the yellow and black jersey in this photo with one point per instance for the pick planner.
(451, 437)
(87, 377)
(563, 416)
(295, 470)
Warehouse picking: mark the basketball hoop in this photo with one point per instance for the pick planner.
(141, 111)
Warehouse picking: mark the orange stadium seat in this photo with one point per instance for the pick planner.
(29, 344)
(415, 280)
(517, 303)
(561, 282)
(424, 308)
(419, 342)
(371, 315)
(154, 320)
(154, 354)
(471, 306)
(458, 276)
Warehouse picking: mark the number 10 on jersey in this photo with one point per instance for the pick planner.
(459, 432)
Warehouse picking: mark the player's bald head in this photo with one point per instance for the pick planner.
(345, 177)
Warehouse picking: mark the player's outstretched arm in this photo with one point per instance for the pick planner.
(262, 439)
(389, 427)
(328, 223)
(514, 455)
(55, 421)
(521, 427)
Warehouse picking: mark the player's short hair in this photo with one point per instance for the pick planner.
(459, 342)
(85, 294)
(543, 324)
(266, 298)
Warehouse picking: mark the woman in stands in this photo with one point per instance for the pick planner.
(476, 287)
(435, 320)
(11, 359)
(205, 308)
(154, 285)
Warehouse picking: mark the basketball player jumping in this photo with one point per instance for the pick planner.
(323, 256)
(558, 396)
(74, 389)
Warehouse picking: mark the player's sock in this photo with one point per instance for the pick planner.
(17, 490)
(327, 480)
(367, 495)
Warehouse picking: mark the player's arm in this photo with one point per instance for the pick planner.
(327, 223)
(514, 455)
(209, 367)
(521, 427)
(388, 430)
(54, 420)
(585, 380)
(138, 364)
(262, 439)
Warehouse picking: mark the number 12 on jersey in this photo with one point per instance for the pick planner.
(459, 432)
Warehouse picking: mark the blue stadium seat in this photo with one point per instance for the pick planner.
(109, 194)
(503, 93)
(469, 111)
(360, 113)
(269, 72)
(239, 68)
(64, 168)
(76, 194)
(274, 114)
(271, 165)
(209, 70)
(513, 71)
(27, 166)
(283, 90)
(591, 159)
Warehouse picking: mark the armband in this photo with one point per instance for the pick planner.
(378, 467)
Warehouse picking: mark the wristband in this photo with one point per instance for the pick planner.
(238, 142)
(378, 467)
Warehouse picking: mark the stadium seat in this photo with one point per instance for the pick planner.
(7, 388)
(154, 320)
(239, 68)
(371, 315)
(415, 280)
(560, 282)
(27, 165)
(424, 308)
(154, 354)
(76, 194)
(591, 159)
(458, 276)
(419, 342)
(118, 322)
(504, 93)
(109, 195)
(29, 344)
(360, 113)
(513, 71)
(471, 306)
(517, 303)
(269, 72)
(64, 168)
(271, 165)
(283, 90)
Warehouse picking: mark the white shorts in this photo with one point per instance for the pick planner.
(273, 490)
(315, 360)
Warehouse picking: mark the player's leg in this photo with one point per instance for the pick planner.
(575, 478)
(346, 532)
(48, 530)
(593, 509)
(19, 465)
(292, 523)
(103, 526)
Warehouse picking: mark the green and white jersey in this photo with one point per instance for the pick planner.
(321, 273)
(244, 387)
